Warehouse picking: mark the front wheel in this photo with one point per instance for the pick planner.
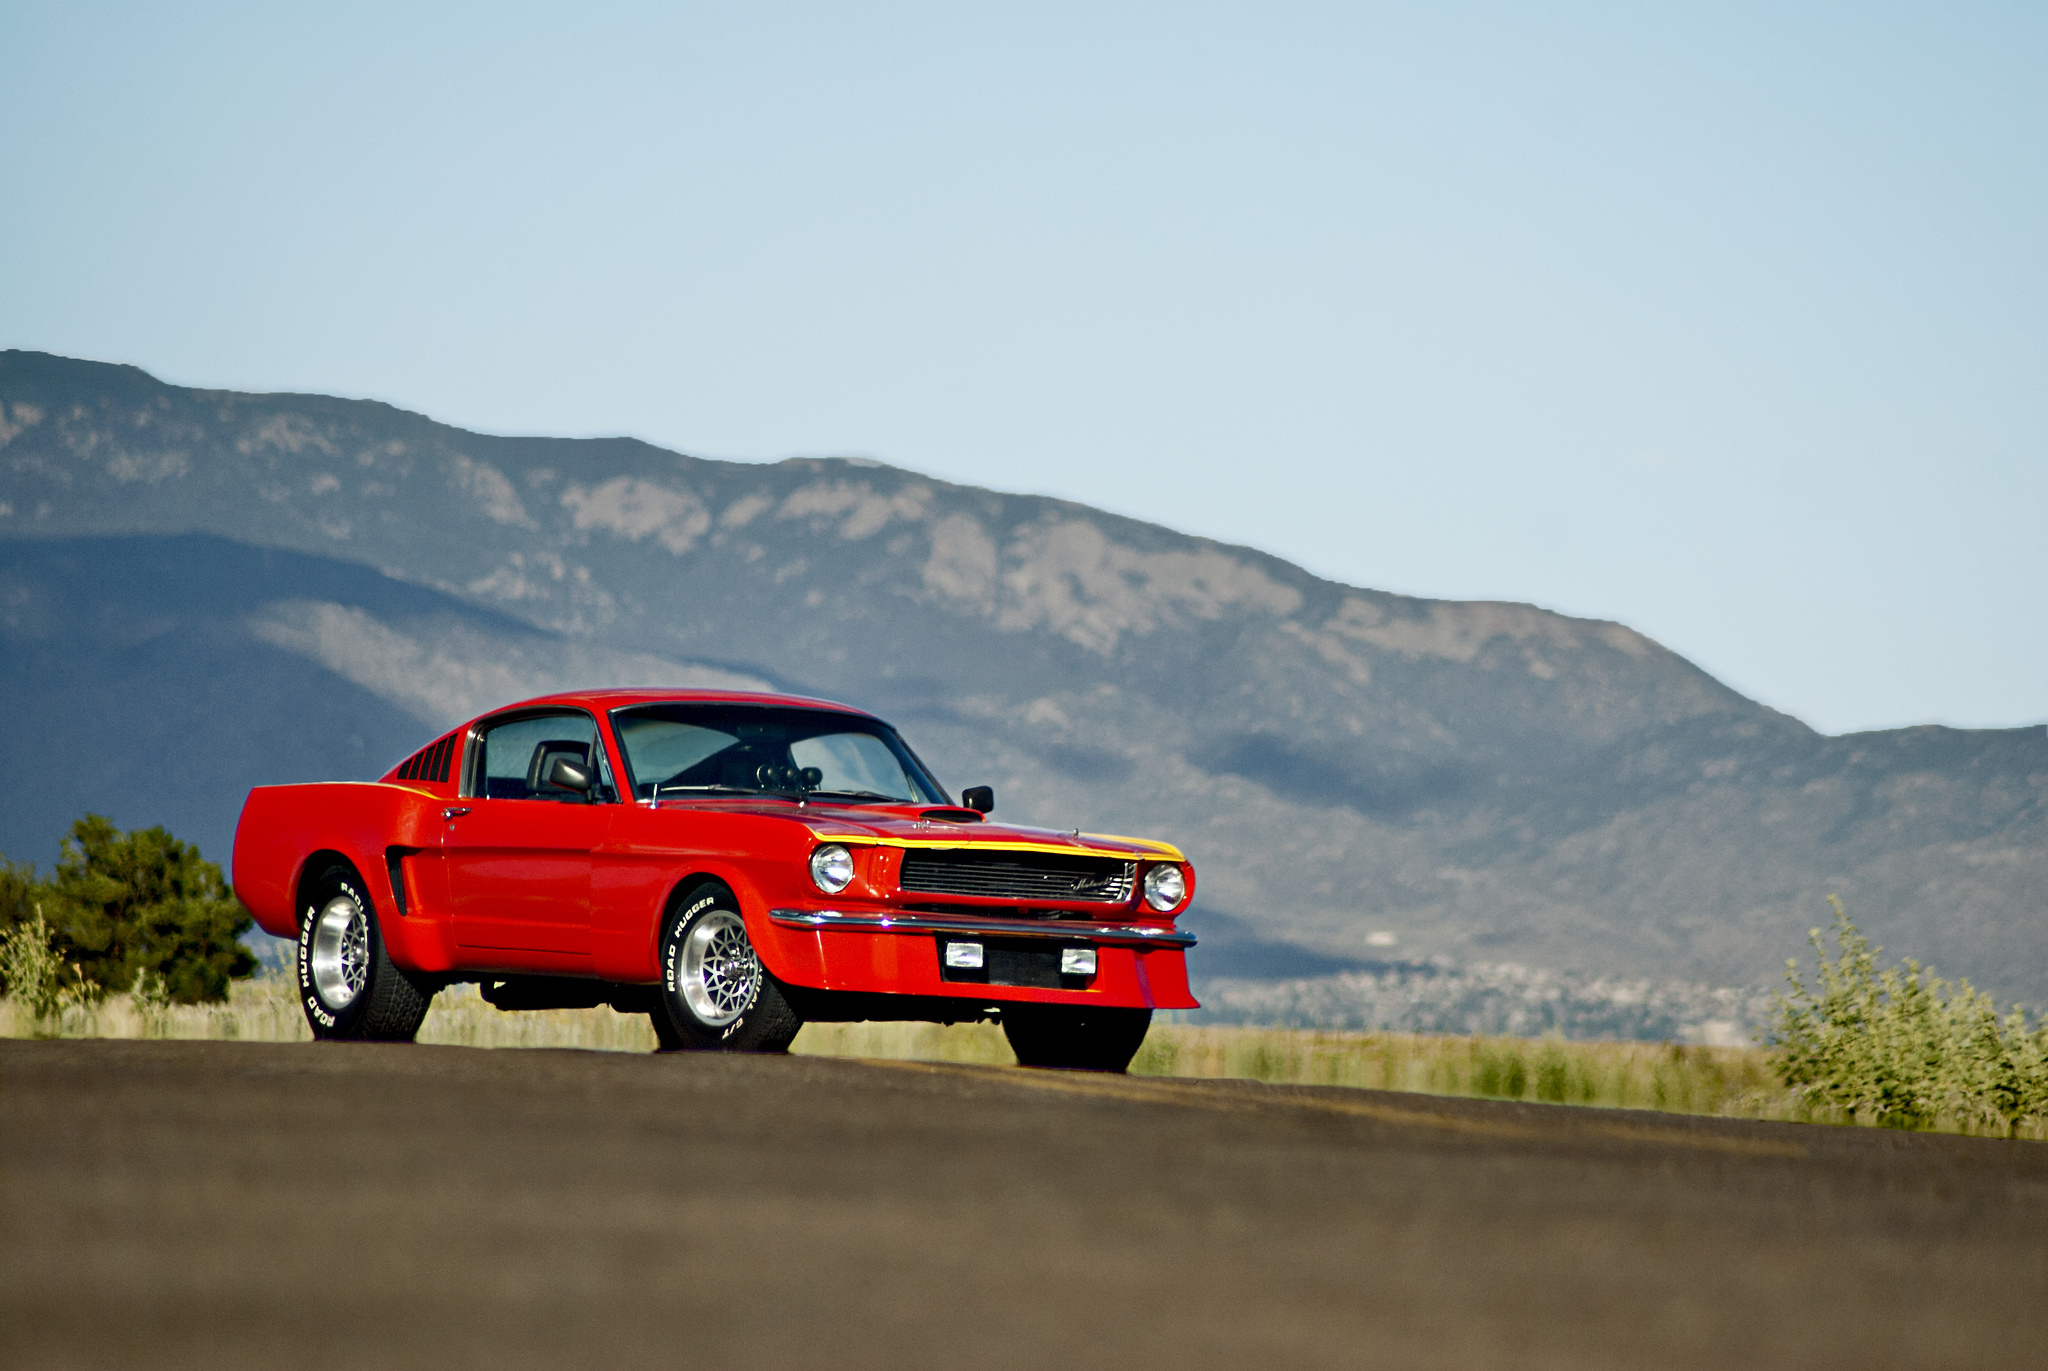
(1078, 1039)
(715, 994)
(348, 985)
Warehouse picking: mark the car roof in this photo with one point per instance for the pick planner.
(617, 696)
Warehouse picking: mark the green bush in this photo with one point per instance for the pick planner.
(120, 905)
(1902, 1048)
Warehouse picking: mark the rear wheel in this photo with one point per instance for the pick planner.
(715, 994)
(348, 985)
(1078, 1039)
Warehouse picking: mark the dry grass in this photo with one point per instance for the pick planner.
(460, 1018)
(1735, 1082)
(265, 1010)
(1731, 1081)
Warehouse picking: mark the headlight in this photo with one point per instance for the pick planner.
(1165, 887)
(831, 868)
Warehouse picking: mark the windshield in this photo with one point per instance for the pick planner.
(683, 748)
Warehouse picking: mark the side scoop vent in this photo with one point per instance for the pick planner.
(430, 763)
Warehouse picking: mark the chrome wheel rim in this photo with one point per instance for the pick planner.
(721, 975)
(341, 952)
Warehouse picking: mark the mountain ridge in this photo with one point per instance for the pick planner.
(1477, 779)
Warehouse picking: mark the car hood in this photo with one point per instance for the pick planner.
(907, 826)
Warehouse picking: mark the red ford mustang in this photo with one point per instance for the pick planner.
(730, 865)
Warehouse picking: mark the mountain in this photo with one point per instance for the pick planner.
(202, 589)
(156, 679)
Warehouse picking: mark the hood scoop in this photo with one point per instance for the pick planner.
(952, 814)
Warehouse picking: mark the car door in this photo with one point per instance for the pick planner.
(517, 849)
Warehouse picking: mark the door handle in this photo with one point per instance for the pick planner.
(453, 812)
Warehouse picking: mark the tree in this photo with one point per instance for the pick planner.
(120, 904)
(19, 891)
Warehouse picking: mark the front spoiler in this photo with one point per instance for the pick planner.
(1114, 935)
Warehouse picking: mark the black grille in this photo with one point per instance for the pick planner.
(1016, 875)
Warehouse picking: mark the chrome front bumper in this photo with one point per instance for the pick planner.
(1069, 930)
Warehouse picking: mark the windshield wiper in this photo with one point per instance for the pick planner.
(857, 795)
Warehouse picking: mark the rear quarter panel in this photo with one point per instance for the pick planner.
(283, 826)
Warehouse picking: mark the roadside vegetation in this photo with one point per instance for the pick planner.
(1697, 1080)
(142, 945)
(1729, 1082)
(136, 912)
(1902, 1048)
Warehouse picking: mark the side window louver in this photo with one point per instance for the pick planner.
(430, 763)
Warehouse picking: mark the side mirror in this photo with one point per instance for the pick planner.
(567, 773)
(979, 797)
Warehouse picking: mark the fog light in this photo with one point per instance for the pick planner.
(1077, 961)
(967, 956)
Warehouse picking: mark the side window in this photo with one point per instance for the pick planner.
(516, 757)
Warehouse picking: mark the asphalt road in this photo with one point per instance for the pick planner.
(222, 1205)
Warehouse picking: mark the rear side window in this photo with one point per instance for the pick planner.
(517, 754)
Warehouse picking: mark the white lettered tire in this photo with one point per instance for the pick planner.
(715, 995)
(348, 985)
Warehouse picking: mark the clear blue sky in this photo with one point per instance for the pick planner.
(1727, 322)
